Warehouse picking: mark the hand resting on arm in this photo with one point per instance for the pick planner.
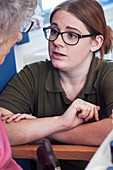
(26, 131)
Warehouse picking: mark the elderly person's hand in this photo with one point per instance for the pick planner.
(5, 112)
(15, 117)
(78, 112)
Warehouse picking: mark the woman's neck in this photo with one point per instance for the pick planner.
(73, 85)
(73, 82)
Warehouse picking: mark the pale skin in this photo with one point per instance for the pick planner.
(7, 42)
(69, 127)
(67, 121)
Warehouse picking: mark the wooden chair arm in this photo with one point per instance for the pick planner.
(67, 152)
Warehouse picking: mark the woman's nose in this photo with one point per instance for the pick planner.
(20, 36)
(59, 41)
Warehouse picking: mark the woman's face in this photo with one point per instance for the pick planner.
(7, 42)
(66, 57)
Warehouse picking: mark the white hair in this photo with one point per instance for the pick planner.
(15, 13)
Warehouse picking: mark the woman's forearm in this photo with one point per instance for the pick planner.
(86, 134)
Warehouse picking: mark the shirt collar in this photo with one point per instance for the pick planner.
(53, 81)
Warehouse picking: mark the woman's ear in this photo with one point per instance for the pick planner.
(97, 43)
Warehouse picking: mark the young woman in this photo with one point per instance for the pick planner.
(65, 92)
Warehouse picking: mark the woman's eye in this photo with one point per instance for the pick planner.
(72, 35)
(53, 31)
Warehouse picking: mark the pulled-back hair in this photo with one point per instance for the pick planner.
(90, 12)
(15, 12)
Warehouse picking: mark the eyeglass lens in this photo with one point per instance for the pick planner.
(68, 37)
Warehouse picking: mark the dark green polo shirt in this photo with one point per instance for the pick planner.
(37, 90)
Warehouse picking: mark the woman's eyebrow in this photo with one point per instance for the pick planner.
(54, 24)
(68, 27)
(73, 28)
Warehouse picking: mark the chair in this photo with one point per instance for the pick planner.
(7, 69)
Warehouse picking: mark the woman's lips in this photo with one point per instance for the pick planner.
(57, 55)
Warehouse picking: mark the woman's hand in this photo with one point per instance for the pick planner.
(91, 111)
(16, 117)
(78, 112)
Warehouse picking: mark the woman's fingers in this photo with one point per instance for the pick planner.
(93, 112)
(78, 112)
(88, 111)
(96, 114)
(85, 112)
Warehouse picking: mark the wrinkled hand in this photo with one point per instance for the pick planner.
(16, 117)
(4, 111)
(78, 112)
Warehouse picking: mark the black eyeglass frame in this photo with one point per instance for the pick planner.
(32, 22)
(61, 33)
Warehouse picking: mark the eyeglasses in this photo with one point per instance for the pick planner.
(70, 38)
(26, 28)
